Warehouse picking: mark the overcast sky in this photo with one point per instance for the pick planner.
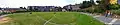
(18, 3)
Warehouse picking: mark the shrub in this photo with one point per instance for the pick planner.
(94, 9)
(113, 7)
(116, 12)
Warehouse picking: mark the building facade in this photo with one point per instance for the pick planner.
(72, 7)
(40, 8)
(12, 9)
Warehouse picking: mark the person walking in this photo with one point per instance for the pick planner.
(108, 14)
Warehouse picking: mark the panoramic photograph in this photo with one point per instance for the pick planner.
(59, 12)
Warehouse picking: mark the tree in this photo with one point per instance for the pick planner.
(113, 7)
(30, 8)
(21, 7)
(103, 4)
(107, 5)
(87, 4)
(24, 8)
(65, 7)
(59, 9)
(0, 8)
(92, 2)
(98, 1)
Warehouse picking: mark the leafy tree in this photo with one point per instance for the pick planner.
(98, 1)
(92, 2)
(0, 8)
(116, 12)
(21, 7)
(24, 8)
(59, 9)
(87, 4)
(106, 5)
(113, 7)
(30, 8)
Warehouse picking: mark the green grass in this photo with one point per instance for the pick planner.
(61, 18)
(87, 20)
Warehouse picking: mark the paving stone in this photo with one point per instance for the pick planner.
(105, 19)
(117, 22)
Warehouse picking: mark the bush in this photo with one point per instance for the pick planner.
(99, 10)
(94, 9)
(116, 12)
(113, 7)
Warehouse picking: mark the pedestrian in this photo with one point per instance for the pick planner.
(106, 13)
(110, 15)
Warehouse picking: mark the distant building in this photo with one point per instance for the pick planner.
(72, 7)
(67, 7)
(75, 7)
(12, 9)
(40, 8)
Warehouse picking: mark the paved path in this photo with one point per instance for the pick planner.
(3, 15)
(106, 20)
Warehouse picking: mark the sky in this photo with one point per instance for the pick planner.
(118, 1)
(25, 3)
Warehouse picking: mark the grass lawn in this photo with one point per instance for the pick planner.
(87, 20)
(60, 18)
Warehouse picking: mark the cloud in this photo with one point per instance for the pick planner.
(18, 3)
(37, 3)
